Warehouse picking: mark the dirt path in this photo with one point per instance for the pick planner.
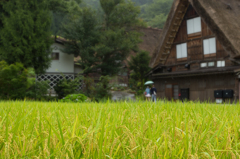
(122, 95)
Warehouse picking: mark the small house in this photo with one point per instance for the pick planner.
(62, 65)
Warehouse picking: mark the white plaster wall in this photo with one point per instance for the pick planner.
(77, 69)
(65, 64)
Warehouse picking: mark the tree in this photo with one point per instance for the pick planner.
(104, 45)
(13, 81)
(60, 14)
(156, 13)
(83, 33)
(25, 34)
(140, 66)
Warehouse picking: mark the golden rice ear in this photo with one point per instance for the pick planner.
(119, 129)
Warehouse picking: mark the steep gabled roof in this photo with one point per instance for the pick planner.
(221, 16)
(150, 37)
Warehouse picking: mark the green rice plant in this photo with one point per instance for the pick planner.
(137, 129)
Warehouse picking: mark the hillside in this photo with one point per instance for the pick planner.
(153, 12)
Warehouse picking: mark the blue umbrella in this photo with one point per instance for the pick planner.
(149, 82)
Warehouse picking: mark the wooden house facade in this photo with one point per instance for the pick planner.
(199, 51)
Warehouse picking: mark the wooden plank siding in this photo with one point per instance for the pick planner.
(200, 87)
(194, 46)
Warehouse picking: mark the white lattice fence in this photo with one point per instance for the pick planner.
(54, 78)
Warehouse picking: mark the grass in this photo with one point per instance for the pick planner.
(119, 130)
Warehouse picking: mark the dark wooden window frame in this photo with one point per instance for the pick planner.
(55, 56)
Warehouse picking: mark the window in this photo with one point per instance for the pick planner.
(204, 64)
(194, 25)
(55, 56)
(209, 46)
(221, 64)
(207, 64)
(211, 64)
(182, 50)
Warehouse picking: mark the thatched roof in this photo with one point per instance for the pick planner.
(150, 39)
(221, 16)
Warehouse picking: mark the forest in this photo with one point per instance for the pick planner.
(103, 33)
(153, 12)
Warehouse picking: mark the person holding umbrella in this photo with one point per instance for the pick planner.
(148, 91)
(153, 92)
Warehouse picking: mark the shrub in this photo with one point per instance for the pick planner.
(66, 87)
(102, 89)
(97, 91)
(13, 81)
(38, 90)
(77, 98)
(90, 89)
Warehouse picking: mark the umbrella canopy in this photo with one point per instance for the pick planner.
(149, 82)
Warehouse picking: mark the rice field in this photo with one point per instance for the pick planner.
(119, 130)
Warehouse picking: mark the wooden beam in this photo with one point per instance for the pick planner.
(166, 53)
(233, 60)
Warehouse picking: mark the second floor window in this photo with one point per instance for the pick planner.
(209, 46)
(194, 25)
(55, 56)
(182, 51)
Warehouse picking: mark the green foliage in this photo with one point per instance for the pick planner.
(97, 91)
(16, 82)
(140, 66)
(102, 89)
(156, 13)
(84, 36)
(25, 36)
(13, 81)
(25, 30)
(104, 45)
(65, 87)
(38, 90)
(95, 4)
(89, 86)
(76, 98)
(62, 12)
(142, 2)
